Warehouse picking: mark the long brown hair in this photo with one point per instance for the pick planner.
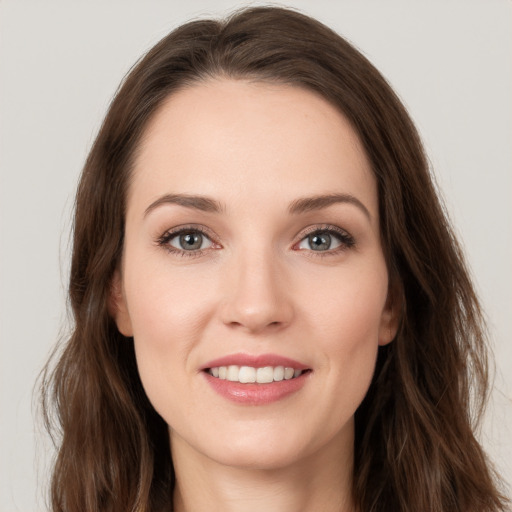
(415, 447)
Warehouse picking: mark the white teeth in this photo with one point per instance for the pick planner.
(248, 374)
(278, 373)
(265, 375)
(233, 373)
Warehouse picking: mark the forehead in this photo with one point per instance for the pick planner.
(236, 140)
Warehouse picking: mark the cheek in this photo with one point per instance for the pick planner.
(347, 319)
(347, 307)
(168, 312)
(164, 301)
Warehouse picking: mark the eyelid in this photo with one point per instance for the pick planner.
(188, 227)
(330, 228)
(169, 234)
(346, 239)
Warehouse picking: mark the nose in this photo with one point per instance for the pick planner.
(256, 295)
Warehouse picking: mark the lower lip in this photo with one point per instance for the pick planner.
(256, 394)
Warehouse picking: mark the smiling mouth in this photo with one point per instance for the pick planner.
(252, 375)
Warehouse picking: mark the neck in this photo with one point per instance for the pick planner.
(322, 481)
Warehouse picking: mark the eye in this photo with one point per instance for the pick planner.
(326, 240)
(190, 241)
(186, 241)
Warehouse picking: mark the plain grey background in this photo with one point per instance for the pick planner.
(61, 62)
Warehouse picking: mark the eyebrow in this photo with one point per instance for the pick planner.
(307, 204)
(201, 203)
(301, 205)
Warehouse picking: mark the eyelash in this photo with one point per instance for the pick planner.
(346, 240)
(164, 240)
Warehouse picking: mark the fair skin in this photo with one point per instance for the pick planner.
(255, 270)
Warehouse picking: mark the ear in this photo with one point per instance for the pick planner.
(392, 314)
(117, 305)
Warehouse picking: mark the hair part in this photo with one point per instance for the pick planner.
(415, 447)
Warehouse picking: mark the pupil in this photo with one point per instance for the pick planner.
(320, 242)
(190, 241)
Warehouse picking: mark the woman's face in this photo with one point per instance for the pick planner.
(252, 242)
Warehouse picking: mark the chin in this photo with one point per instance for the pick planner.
(256, 457)
(266, 449)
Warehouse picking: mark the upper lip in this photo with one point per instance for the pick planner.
(255, 361)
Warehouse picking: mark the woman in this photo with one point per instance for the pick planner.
(271, 310)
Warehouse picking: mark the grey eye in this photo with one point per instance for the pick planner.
(190, 241)
(319, 241)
